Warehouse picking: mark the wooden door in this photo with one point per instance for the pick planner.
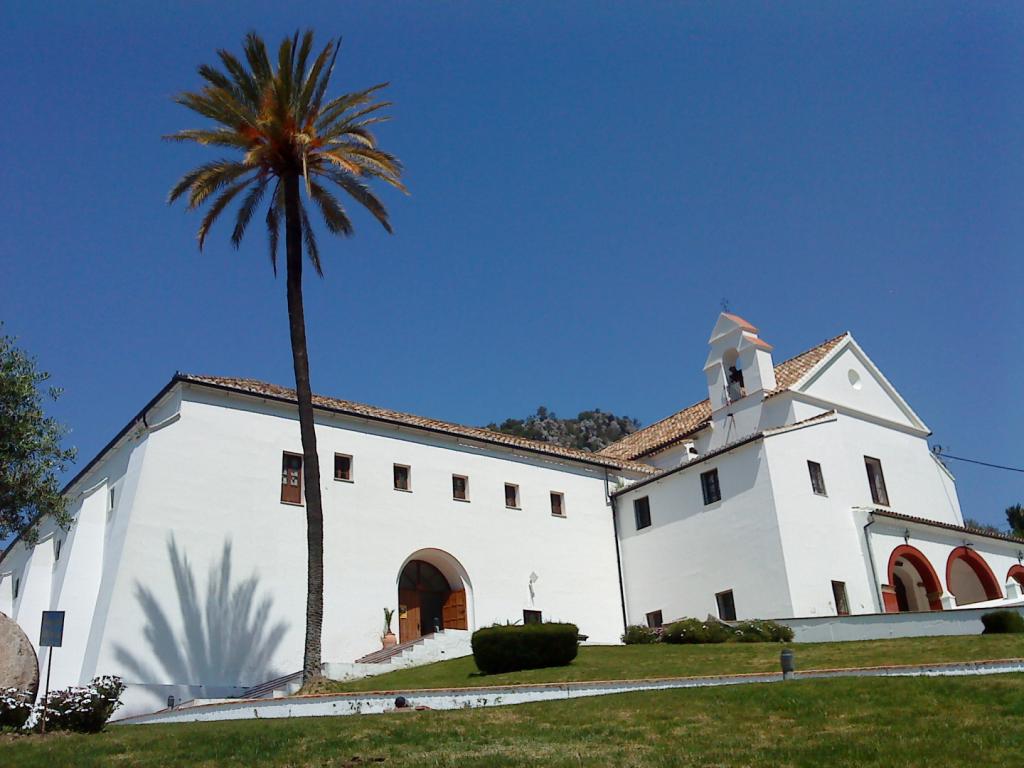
(454, 611)
(408, 615)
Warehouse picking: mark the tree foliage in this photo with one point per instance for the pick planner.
(977, 525)
(1015, 519)
(589, 431)
(278, 116)
(31, 454)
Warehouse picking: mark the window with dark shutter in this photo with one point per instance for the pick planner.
(726, 606)
(876, 480)
(343, 467)
(511, 496)
(402, 478)
(291, 478)
(709, 485)
(839, 595)
(557, 504)
(642, 512)
(532, 617)
(817, 478)
(460, 487)
(654, 619)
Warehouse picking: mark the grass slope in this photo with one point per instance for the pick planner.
(907, 722)
(663, 660)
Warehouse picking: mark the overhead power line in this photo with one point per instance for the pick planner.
(975, 461)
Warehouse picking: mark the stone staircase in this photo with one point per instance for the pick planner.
(446, 644)
(279, 686)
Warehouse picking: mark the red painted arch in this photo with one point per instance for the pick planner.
(1017, 574)
(988, 579)
(929, 577)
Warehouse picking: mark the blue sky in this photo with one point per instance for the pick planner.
(589, 181)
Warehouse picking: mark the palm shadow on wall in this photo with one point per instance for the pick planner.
(226, 639)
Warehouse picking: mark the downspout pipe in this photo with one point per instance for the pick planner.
(874, 570)
(618, 552)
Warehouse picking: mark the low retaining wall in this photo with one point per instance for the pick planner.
(327, 705)
(880, 626)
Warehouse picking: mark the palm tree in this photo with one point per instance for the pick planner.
(289, 137)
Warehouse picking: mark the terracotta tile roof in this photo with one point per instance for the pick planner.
(744, 324)
(725, 449)
(669, 430)
(349, 408)
(948, 526)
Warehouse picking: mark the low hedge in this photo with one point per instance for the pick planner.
(638, 634)
(1002, 623)
(696, 631)
(762, 631)
(530, 646)
(711, 631)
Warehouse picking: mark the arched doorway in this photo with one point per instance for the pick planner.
(913, 582)
(433, 594)
(969, 579)
(1017, 574)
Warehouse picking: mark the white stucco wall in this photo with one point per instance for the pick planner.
(822, 541)
(691, 551)
(198, 575)
(851, 381)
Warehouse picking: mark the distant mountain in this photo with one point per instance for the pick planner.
(589, 431)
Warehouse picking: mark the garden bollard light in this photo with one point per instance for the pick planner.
(788, 666)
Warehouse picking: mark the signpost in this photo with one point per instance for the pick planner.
(51, 635)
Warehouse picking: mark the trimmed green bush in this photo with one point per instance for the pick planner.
(530, 646)
(696, 631)
(762, 631)
(1002, 623)
(637, 634)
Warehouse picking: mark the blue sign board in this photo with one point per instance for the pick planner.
(52, 632)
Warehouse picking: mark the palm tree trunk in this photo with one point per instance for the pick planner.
(310, 460)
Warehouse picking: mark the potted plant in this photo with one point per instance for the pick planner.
(388, 638)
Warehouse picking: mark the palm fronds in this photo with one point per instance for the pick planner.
(274, 111)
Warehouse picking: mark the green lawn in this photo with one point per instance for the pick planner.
(662, 660)
(884, 722)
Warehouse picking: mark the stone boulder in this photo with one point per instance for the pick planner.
(19, 667)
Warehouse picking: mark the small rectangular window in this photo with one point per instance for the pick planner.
(111, 499)
(876, 480)
(402, 477)
(511, 496)
(557, 504)
(532, 617)
(654, 619)
(817, 478)
(839, 595)
(709, 485)
(343, 467)
(17, 587)
(642, 512)
(460, 487)
(56, 548)
(291, 478)
(726, 606)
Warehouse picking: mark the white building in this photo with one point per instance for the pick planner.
(800, 489)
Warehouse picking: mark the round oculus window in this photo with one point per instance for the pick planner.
(854, 378)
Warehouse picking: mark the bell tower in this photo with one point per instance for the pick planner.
(739, 364)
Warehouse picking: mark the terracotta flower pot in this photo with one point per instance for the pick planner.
(389, 640)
